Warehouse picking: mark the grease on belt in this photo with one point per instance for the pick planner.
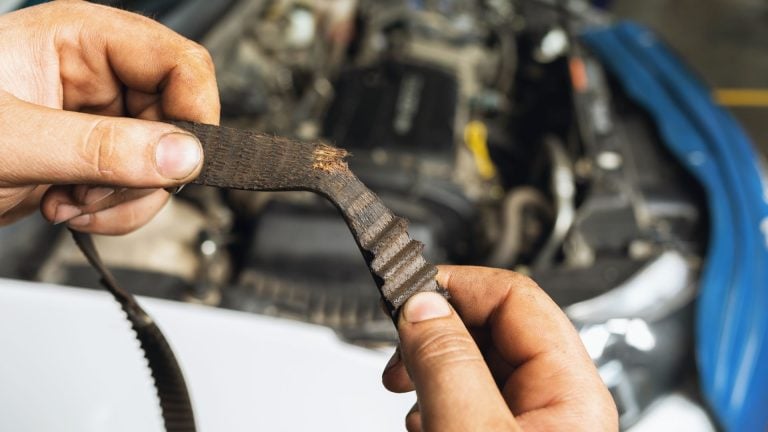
(249, 160)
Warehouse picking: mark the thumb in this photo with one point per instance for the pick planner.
(42, 145)
(455, 388)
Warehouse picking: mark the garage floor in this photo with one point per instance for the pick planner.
(725, 41)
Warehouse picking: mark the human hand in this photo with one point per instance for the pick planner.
(518, 364)
(68, 70)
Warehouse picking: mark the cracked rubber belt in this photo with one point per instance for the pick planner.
(248, 160)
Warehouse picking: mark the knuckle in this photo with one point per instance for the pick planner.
(12, 203)
(7, 103)
(208, 60)
(116, 222)
(120, 230)
(439, 347)
(98, 147)
(133, 221)
(199, 54)
(413, 422)
(528, 284)
(68, 4)
(520, 282)
(115, 230)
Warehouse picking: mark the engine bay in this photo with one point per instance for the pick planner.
(488, 125)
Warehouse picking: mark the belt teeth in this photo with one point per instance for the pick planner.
(383, 226)
(397, 261)
(422, 280)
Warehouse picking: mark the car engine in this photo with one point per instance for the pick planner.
(488, 125)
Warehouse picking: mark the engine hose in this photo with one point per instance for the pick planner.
(507, 248)
(564, 192)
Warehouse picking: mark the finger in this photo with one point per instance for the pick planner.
(15, 203)
(114, 107)
(579, 414)
(413, 419)
(178, 69)
(531, 322)
(46, 146)
(395, 377)
(529, 331)
(146, 106)
(455, 388)
(94, 199)
(123, 218)
(63, 203)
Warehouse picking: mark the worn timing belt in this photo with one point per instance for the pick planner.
(248, 160)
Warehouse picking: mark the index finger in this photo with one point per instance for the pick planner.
(149, 59)
(549, 366)
(524, 321)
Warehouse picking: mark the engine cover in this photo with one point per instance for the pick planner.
(394, 106)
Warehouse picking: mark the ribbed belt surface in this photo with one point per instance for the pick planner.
(249, 160)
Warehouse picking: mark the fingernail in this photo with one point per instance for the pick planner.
(65, 212)
(80, 221)
(178, 155)
(394, 361)
(426, 306)
(97, 194)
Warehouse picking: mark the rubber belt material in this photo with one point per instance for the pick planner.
(249, 160)
(169, 380)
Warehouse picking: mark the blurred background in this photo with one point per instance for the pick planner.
(511, 133)
(724, 41)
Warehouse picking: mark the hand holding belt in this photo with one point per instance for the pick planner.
(249, 160)
(238, 159)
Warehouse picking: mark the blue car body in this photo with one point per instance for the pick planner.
(731, 322)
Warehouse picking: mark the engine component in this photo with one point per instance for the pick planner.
(513, 239)
(274, 56)
(395, 107)
(637, 193)
(401, 98)
(398, 119)
(174, 261)
(639, 327)
(564, 191)
(302, 263)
